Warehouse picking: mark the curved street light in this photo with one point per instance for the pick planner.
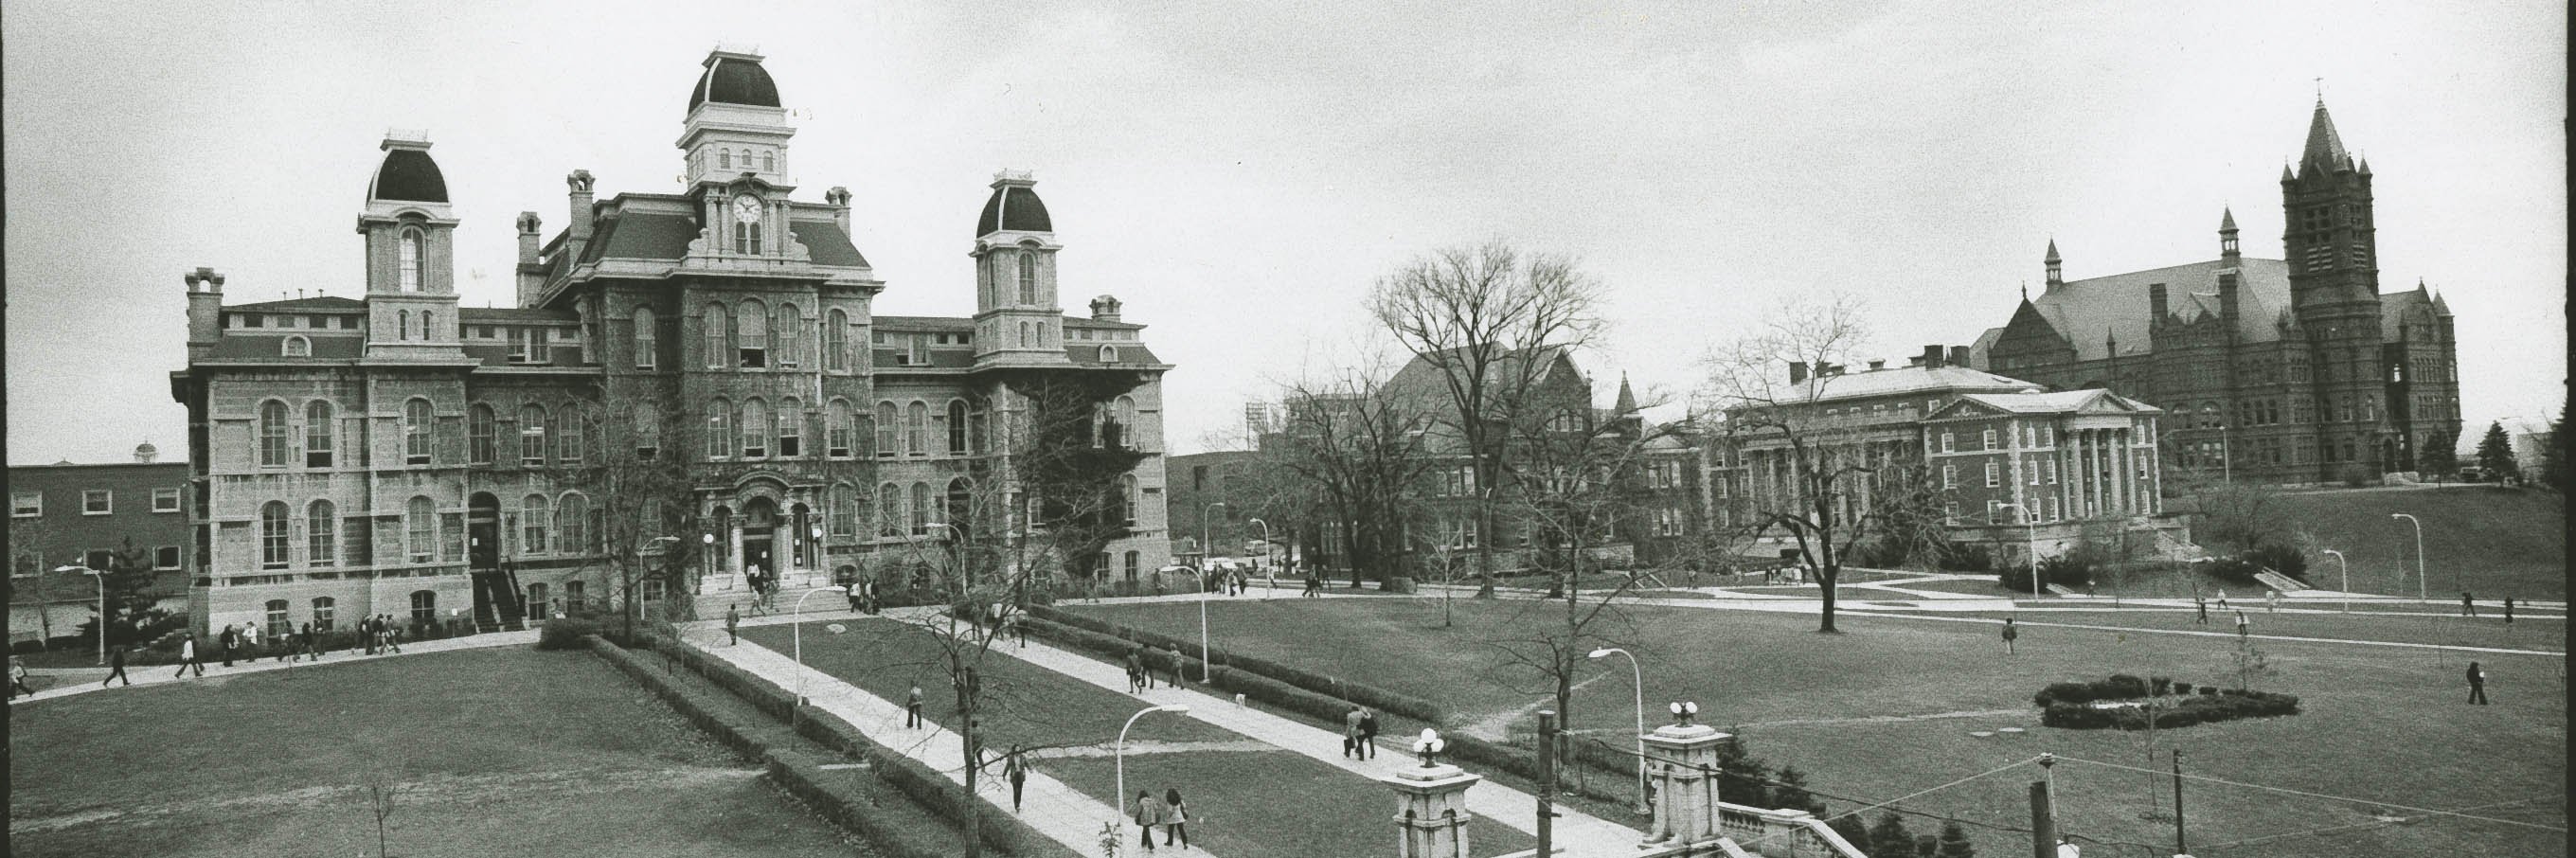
(1271, 574)
(1637, 675)
(2420, 589)
(797, 625)
(1118, 759)
(2346, 567)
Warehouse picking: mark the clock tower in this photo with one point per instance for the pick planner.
(736, 144)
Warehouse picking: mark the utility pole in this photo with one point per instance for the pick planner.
(2179, 847)
(2043, 811)
(1546, 781)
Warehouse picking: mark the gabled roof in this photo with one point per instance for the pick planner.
(2086, 312)
(317, 303)
(2397, 309)
(1909, 379)
(1423, 375)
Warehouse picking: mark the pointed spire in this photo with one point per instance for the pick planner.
(2227, 219)
(2053, 277)
(2286, 176)
(1627, 403)
(2325, 147)
(2025, 291)
(2052, 249)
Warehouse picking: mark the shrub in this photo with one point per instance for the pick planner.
(2124, 686)
(2158, 685)
(565, 633)
(2282, 558)
(2063, 692)
(1967, 557)
(2070, 573)
(2207, 690)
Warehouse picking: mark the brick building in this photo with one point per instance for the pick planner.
(96, 516)
(403, 455)
(2294, 370)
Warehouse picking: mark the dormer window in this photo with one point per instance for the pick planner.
(1108, 354)
(746, 224)
(298, 347)
(412, 261)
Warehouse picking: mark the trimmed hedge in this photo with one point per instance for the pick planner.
(2069, 704)
(567, 633)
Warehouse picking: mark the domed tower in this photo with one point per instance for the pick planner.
(411, 272)
(735, 138)
(1017, 321)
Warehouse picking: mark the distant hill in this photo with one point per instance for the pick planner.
(2493, 541)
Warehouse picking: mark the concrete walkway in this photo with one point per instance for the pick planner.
(85, 680)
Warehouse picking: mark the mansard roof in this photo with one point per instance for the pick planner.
(635, 232)
(317, 303)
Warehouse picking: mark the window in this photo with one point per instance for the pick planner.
(572, 517)
(411, 261)
(481, 430)
(724, 159)
(357, 541)
(26, 504)
(1108, 354)
(1986, 441)
(1949, 476)
(416, 420)
(836, 429)
(753, 333)
(424, 606)
(717, 327)
(1127, 499)
(272, 535)
(272, 434)
(451, 537)
(97, 501)
(746, 220)
(791, 327)
(719, 429)
(165, 500)
(420, 529)
(275, 615)
(1134, 560)
(1948, 442)
(791, 427)
(1994, 475)
(956, 427)
(2051, 466)
(573, 597)
(534, 515)
(296, 347)
(532, 434)
(165, 557)
(755, 429)
(836, 342)
(647, 337)
(2047, 436)
(320, 525)
(886, 429)
(768, 164)
(916, 429)
(402, 324)
(845, 510)
(920, 509)
(568, 443)
(1026, 261)
(648, 434)
(889, 510)
(317, 434)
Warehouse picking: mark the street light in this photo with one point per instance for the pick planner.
(797, 627)
(2033, 522)
(101, 579)
(1637, 677)
(2420, 594)
(1118, 758)
(1207, 553)
(1271, 574)
(1428, 748)
(2346, 566)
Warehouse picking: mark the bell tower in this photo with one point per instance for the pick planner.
(410, 234)
(1017, 320)
(2333, 256)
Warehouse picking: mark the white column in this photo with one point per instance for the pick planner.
(1681, 760)
(733, 537)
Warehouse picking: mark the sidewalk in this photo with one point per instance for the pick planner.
(1059, 811)
(83, 680)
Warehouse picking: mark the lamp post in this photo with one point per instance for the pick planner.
(2346, 567)
(1637, 677)
(708, 539)
(101, 579)
(1207, 553)
(1118, 758)
(1427, 749)
(2032, 522)
(2420, 588)
(797, 631)
(814, 551)
(1270, 574)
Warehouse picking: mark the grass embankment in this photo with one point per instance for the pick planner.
(501, 752)
(1886, 708)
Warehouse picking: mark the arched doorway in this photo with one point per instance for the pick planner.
(496, 589)
(759, 535)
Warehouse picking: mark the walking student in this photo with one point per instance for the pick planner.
(2468, 606)
(231, 636)
(1176, 819)
(2272, 601)
(2242, 625)
(912, 709)
(2202, 606)
(2508, 612)
(1149, 813)
(2222, 599)
(2477, 685)
(1015, 768)
(1351, 732)
(2011, 633)
(733, 624)
(1368, 738)
(188, 657)
(1172, 665)
(116, 666)
(1135, 672)
(18, 679)
(304, 643)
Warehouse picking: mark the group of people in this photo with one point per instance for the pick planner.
(1359, 733)
(764, 590)
(1143, 663)
(864, 599)
(1170, 812)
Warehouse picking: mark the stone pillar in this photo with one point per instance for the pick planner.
(733, 561)
(2128, 473)
(1681, 762)
(1431, 810)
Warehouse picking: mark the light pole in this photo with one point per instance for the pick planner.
(1207, 552)
(101, 579)
(1118, 758)
(2420, 594)
(708, 539)
(2341, 564)
(1271, 574)
(797, 627)
(2032, 522)
(1637, 677)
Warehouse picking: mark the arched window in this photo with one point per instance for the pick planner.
(768, 162)
(961, 496)
(572, 426)
(325, 609)
(836, 429)
(417, 422)
(889, 510)
(272, 535)
(718, 328)
(836, 342)
(570, 520)
(1024, 334)
(534, 515)
(976, 439)
(887, 421)
(425, 324)
(413, 262)
(753, 330)
(276, 618)
(1026, 261)
(1127, 499)
(956, 427)
(296, 347)
(719, 429)
(424, 606)
(916, 429)
(791, 335)
(920, 509)
(272, 434)
(791, 428)
(747, 213)
(532, 434)
(420, 526)
(540, 601)
(482, 429)
(1108, 354)
(647, 338)
(755, 429)
(402, 324)
(321, 524)
(724, 159)
(845, 510)
(1131, 426)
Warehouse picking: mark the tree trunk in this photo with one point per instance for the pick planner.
(967, 733)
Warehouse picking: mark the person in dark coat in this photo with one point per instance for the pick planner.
(1135, 672)
(2477, 685)
(2202, 606)
(1351, 732)
(1172, 665)
(230, 637)
(733, 624)
(2468, 606)
(1368, 733)
(1015, 768)
(1176, 819)
(2010, 633)
(116, 666)
(2508, 611)
(912, 709)
(1149, 813)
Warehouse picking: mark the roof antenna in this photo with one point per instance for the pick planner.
(2321, 91)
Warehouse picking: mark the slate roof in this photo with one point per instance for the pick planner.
(2084, 311)
(2325, 147)
(1088, 354)
(924, 323)
(408, 174)
(476, 315)
(734, 80)
(243, 345)
(622, 234)
(1013, 207)
(2055, 403)
(1913, 379)
(1423, 376)
(318, 303)
(2396, 308)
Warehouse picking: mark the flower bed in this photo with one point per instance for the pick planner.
(2126, 703)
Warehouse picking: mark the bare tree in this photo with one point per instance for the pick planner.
(1487, 320)
(1357, 456)
(381, 785)
(638, 483)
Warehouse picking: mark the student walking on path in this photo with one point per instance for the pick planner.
(1351, 732)
(2201, 605)
(2010, 633)
(1176, 819)
(18, 679)
(2243, 627)
(2222, 599)
(1135, 672)
(1015, 768)
(1149, 813)
(116, 666)
(2477, 685)
(304, 644)
(2468, 606)
(2508, 612)
(232, 636)
(1172, 665)
(733, 624)
(912, 709)
(188, 657)
(1368, 734)
(2272, 601)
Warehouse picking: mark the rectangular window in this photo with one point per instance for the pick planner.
(165, 500)
(26, 504)
(1949, 442)
(451, 537)
(97, 501)
(1949, 476)
(2051, 467)
(1987, 440)
(165, 557)
(1994, 475)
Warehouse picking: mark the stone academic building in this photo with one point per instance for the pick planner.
(400, 454)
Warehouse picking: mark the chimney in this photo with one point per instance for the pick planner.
(1958, 356)
(1877, 365)
(577, 237)
(532, 276)
(145, 453)
(1931, 357)
(205, 311)
(1104, 309)
(1828, 370)
(2155, 304)
(2227, 281)
(839, 199)
(1797, 371)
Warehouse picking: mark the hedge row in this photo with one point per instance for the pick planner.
(1365, 695)
(931, 789)
(2202, 709)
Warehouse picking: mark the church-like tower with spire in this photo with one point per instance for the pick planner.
(692, 401)
(2295, 370)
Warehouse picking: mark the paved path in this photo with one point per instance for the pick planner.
(77, 680)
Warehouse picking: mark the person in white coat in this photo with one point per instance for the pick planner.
(188, 657)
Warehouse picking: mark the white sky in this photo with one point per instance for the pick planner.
(1239, 174)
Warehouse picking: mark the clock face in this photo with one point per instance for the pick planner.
(746, 209)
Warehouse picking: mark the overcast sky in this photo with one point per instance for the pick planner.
(1239, 174)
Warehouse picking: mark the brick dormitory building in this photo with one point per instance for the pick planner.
(400, 454)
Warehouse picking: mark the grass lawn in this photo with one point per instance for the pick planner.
(2481, 631)
(502, 751)
(1885, 709)
(2493, 541)
(1268, 804)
